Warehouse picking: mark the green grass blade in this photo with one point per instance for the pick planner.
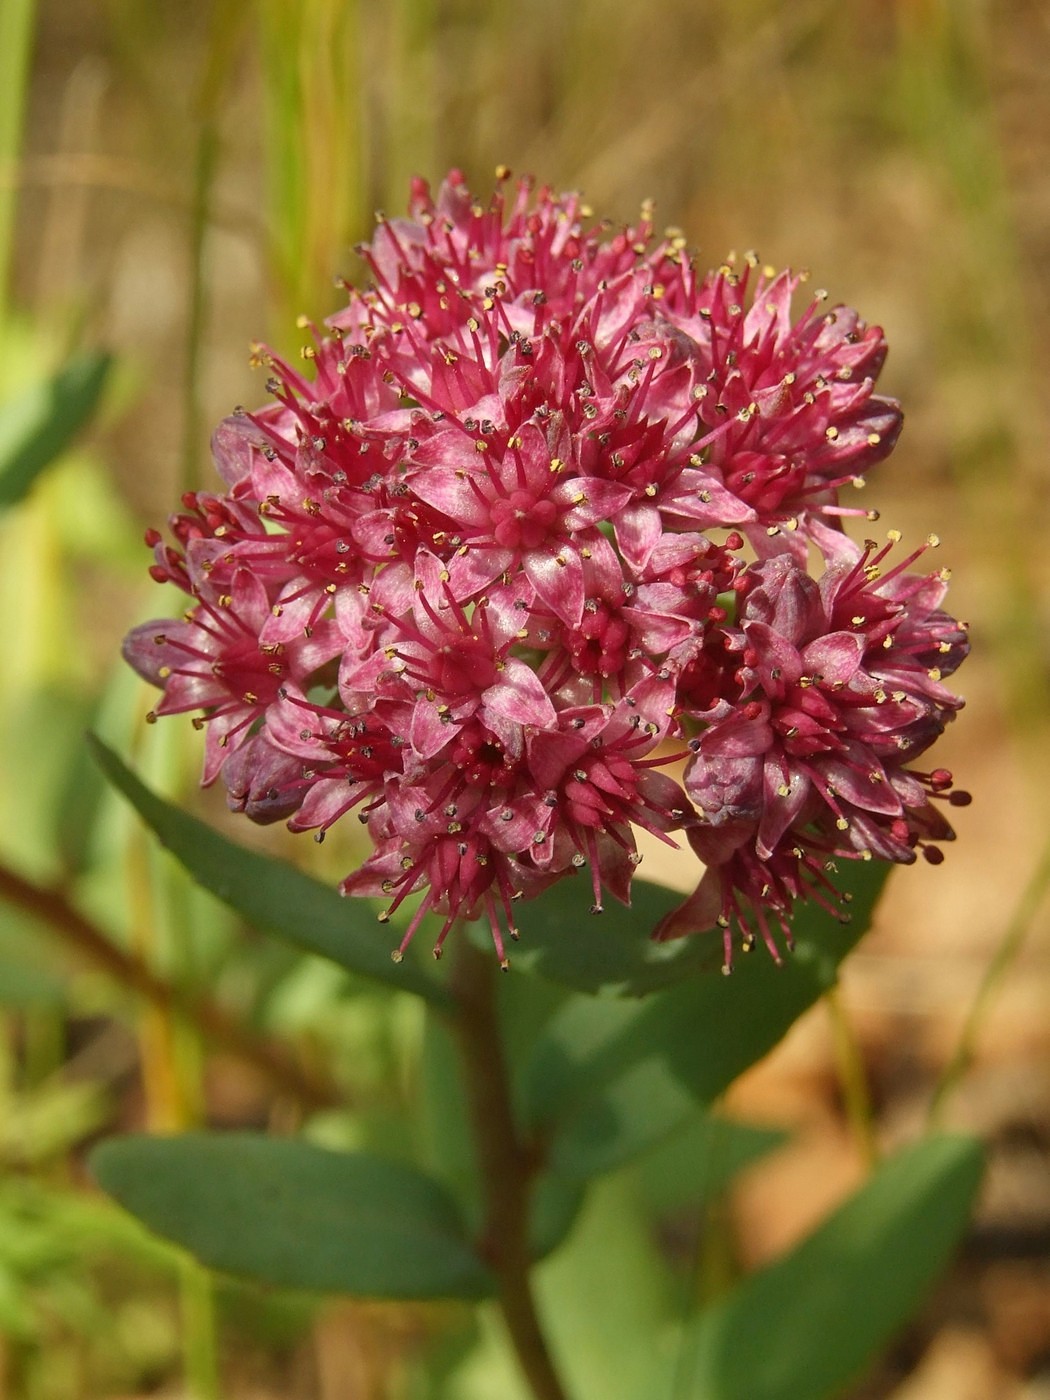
(40, 423)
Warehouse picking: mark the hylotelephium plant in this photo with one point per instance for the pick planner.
(539, 524)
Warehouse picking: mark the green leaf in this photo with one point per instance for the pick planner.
(806, 1326)
(38, 425)
(49, 791)
(554, 1207)
(610, 1078)
(609, 952)
(700, 1159)
(608, 1301)
(270, 894)
(288, 1213)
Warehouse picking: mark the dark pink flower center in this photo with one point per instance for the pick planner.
(599, 645)
(481, 760)
(464, 667)
(521, 521)
(603, 790)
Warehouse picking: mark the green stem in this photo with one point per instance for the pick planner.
(203, 176)
(16, 31)
(853, 1079)
(200, 1330)
(227, 21)
(1008, 949)
(506, 1164)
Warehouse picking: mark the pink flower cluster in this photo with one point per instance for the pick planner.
(538, 522)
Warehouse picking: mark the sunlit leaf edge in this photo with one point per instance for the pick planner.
(270, 894)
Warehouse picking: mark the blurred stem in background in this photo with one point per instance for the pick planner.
(853, 1079)
(171, 1049)
(1010, 944)
(980, 311)
(407, 134)
(224, 37)
(16, 34)
(313, 122)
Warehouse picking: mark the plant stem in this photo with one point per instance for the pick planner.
(855, 1090)
(205, 161)
(227, 20)
(16, 42)
(505, 1161)
(1010, 945)
(211, 1019)
(200, 1328)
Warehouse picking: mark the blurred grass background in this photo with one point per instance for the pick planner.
(176, 182)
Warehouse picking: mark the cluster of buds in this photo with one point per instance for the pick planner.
(537, 524)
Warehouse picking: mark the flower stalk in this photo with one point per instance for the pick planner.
(506, 1163)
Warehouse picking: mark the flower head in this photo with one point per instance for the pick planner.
(537, 523)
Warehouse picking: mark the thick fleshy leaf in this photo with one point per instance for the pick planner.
(609, 952)
(806, 1326)
(608, 1303)
(288, 1213)
(612, 953)
(608, 1079)
(38, 425)
(700, 1160)
(555, 1205)
(270, 894)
